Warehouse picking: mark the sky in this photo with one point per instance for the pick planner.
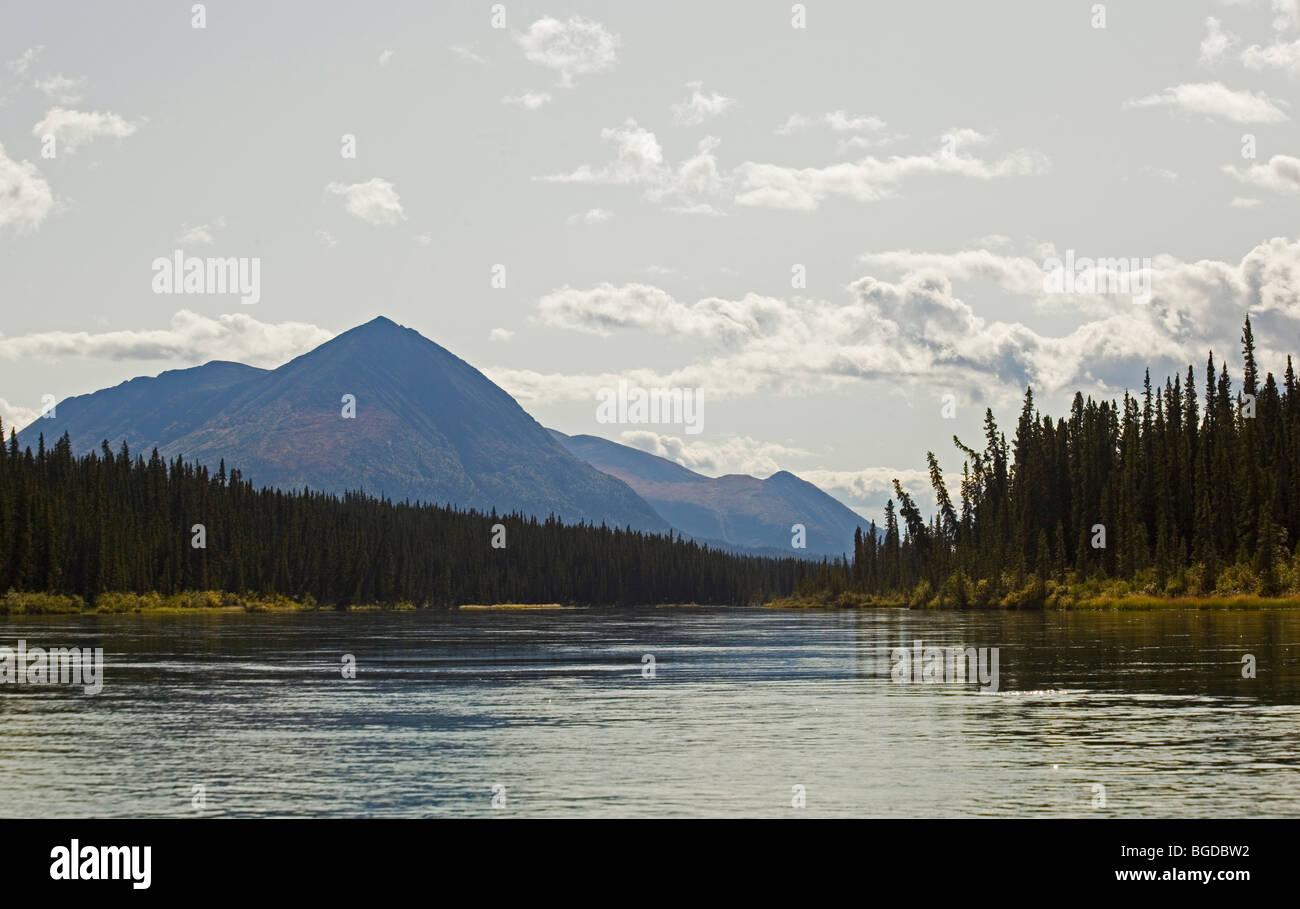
(844, 226)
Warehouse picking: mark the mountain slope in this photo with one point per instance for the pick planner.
(735, 509)
(428, 427)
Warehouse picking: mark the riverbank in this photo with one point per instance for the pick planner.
(1125, 602)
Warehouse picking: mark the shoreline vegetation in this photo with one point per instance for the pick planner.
(15, 603)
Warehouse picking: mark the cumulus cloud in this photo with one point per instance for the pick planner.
(25, 197)
(591, 216)
(871, 178)
(699, 107)
(1216, 100)
(61, 89)
(1284, 56)
(15, 416)
(916, 330)
(201, 234)
(190, 337)
(20, 64)
(1217, 43)
(733, 454)
(500, 334)
(572, 48)
(1281, 173)
(639, 160)
(375, 201)
(386, 57)
(696, 183)
(75, 128)
(530, 99)
(837, 121)
(467, 52)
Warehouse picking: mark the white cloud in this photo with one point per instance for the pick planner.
(1243, 202)
(375, 201)
(1216, 100)
(15, 417)
(872, 178)
(326, 239)
(23, 62)
(467, 52)
(573, 48)
(591, 216)
(1281, 173)
(639, 161)
(917, 332)
(25, 197)
(74, 128)
(190, 337)
(61, 89)
(838, 121)
(733, 454)
(204, 234)
(500, 334)
(700, 107)
(1216, 43)
(1284, 56)
(529, 99)
(386, 57)
(424, 239)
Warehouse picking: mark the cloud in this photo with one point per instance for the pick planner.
(577, 47)
(19, 65)
(639, 161)
(837, 121)
(204, 234)
(73, 128)
(700, 107)
(1283, 56)
(871, 178)
(591, 216)
(1216, 43)
(500, 334)
(733, 454)
(386, 57)
(917, 332)
(190, 338)
(1243, 202)
(467, 52)
(25, 197)
(424, 239)
(16, 417)
(529, 99)
(375, 201)
(326, 239)
(1216, 100)
(1281, 173)
(61, 89)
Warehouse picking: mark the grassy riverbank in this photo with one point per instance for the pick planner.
(1064, 600)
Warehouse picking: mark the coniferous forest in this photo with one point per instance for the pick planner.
(1172, 492)
(110, 522)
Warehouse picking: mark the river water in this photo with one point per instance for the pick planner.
(742, 712)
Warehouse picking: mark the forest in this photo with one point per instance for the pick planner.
(106, 524)
(1169, 493)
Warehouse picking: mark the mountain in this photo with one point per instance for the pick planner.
(735, 509)
(428, 427)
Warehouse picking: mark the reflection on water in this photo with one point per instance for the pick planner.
(744, 705)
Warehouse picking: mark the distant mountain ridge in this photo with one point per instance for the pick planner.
(737, 509)
(428, 427)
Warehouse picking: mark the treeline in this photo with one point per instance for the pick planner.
(107, 522)
(1168, 493)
